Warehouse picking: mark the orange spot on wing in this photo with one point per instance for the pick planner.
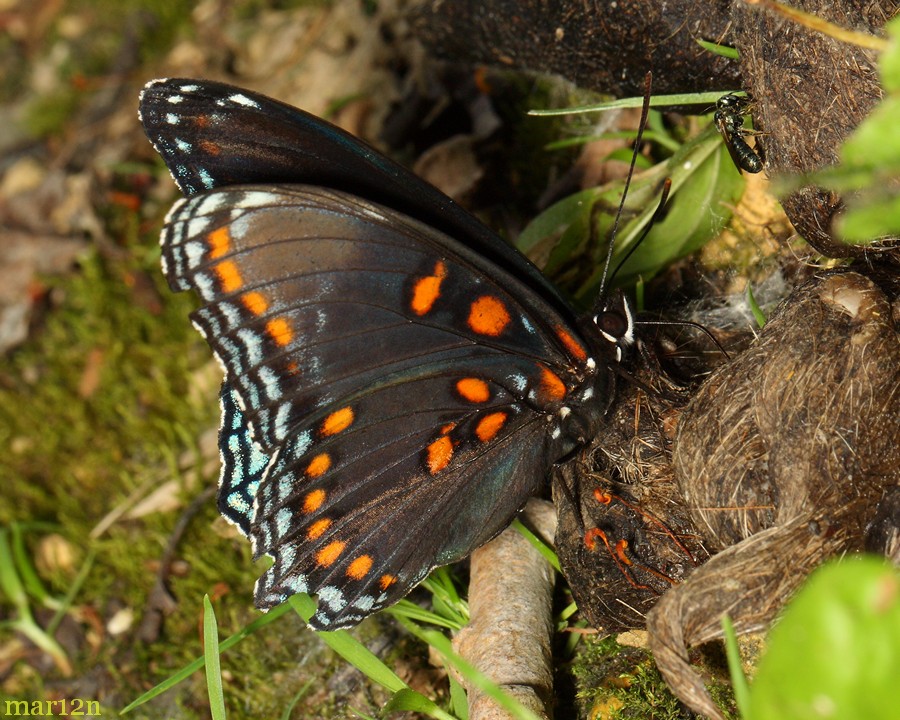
(427, 290)
(448, 428)
(575, 349)
(554, 388)
(280, 331)
(439, 454)
(255, 302)
(219, 241)
(336, 422)
(488, 427)
(331, 552)
(313, 501)
(359, 568)
(385, 581)
(318, 528)
(318, 465)
(488, 316)
(473, 390)
(229, 276)
(210, 147)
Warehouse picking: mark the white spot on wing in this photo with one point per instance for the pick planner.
(271, 384)
(240, 99)
(252, 344)
(333, 597)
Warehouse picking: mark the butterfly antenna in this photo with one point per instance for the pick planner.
(645, 112)
(657, 216)
(688, 323)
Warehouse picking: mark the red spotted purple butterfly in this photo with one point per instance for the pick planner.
(399, 380)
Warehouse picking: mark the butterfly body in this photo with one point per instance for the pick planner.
(398, 379)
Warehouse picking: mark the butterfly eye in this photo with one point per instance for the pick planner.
(616, 324)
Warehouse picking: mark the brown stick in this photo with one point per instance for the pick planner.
(509, 633)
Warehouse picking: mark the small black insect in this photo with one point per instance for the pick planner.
(729, 119)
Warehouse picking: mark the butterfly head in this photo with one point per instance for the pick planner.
(615, 321)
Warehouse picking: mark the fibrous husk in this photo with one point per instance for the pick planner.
(788, 455)
(810, 92)
(607, 47)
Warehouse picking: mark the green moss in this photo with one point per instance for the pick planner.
(623, 682)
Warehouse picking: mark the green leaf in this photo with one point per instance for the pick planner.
(889, 63)
(876, 142)
(411, 701)
(836, 651)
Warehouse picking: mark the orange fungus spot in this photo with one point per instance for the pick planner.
(359, 568)
(280, 331)
(318, 465)
(328, 554)
(573, 347)
(474, 390)
(553, 387)
(439, 454)
(229, 276)
(490, 425)
(255, 302)
(428, 289)
(337, 422)
(313, 501)
(488, 316)
(318, 528)
(621, 547)
(385, 581)
(219, 242)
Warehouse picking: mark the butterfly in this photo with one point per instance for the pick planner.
(398, 379)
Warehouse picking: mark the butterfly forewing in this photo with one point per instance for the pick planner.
(211, 135)
(393, 393)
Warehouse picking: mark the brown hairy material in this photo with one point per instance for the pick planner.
(784, 458)
(810, 92)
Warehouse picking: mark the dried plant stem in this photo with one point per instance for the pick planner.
(508, 636)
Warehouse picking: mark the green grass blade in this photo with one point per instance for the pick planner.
(211, 656)
(286, 715)
(758, 315)
(539, 545)
(197, 664)
(442, 644)
(707, 98)
(349, 648)
(738, 679)
(723, 50)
